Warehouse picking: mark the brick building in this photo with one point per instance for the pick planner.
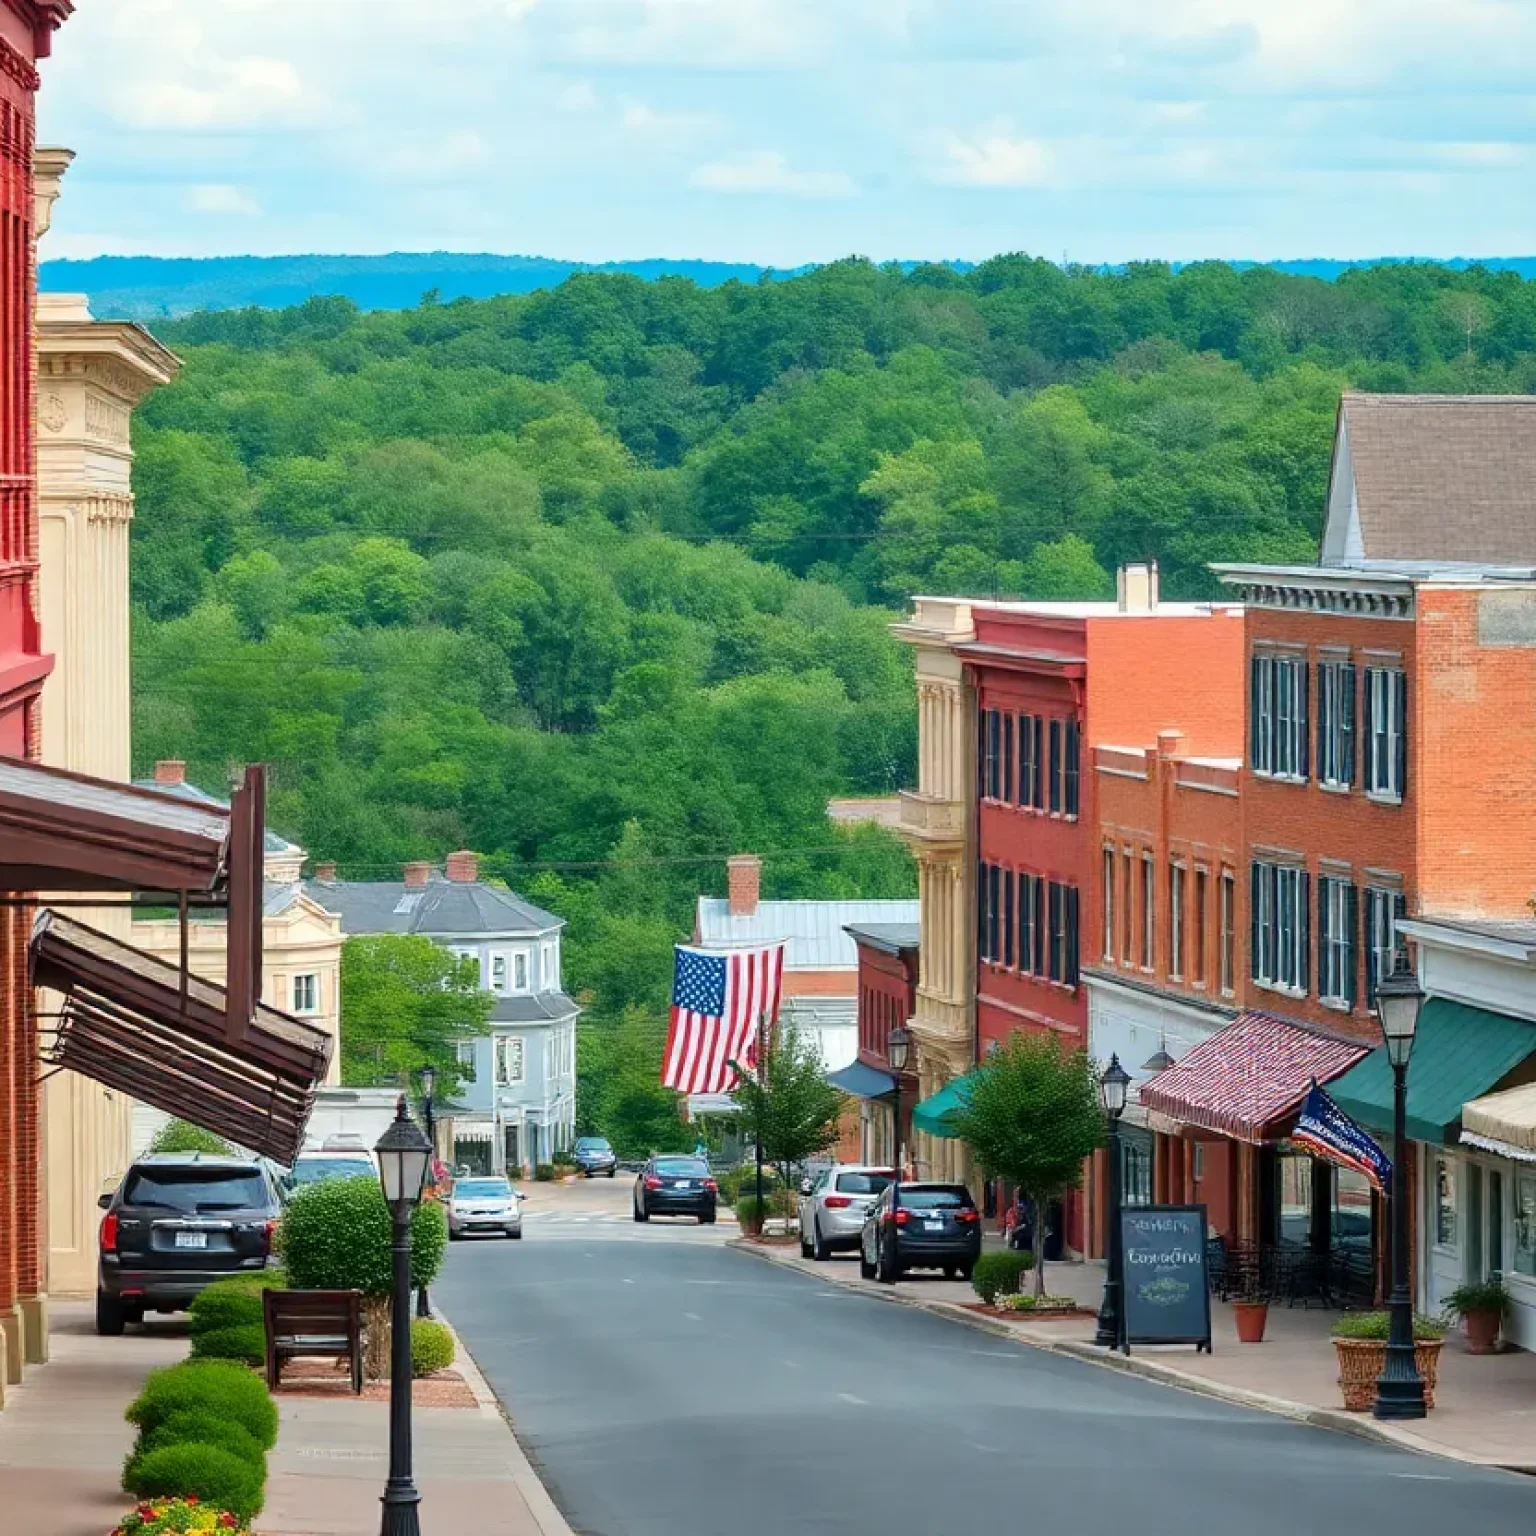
(888, 973)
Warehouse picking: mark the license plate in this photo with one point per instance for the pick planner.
(934, 1226)
(682, 1184)
(191, 1239)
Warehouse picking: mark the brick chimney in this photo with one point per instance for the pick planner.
(463, 867)
(417, 874)
(744, 878)
(1136, 588)
(1170, 743)
(325, 872)
(171, 771)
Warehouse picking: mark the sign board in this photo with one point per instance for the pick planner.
(1165, 1298)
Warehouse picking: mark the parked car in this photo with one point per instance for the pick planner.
(676, 1186)
(484, 1205)
(833, 1206)
(920, 1226)
(317, 1167)
(594, 1156)
(176, 1223)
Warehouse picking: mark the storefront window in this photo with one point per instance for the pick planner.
(1295, 1170)
(1136, 1166)
(1445, 1203)
(1525, 1222)
(1350, 1220)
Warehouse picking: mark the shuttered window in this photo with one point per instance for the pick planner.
(1386, 732)
(1336, 724)
(1383, 908)
(1338, 926)
(1278, 717)
(1281, 938)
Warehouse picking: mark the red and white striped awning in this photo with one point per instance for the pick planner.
(1252, 1073)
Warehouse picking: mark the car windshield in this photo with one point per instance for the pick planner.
(481, 1189)
(862, 1183)
(683, 1167)
(315, 1170)
(194, 1191)
(593, 1144)
(935, 1199)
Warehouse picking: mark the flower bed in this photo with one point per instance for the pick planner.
(173, 1517)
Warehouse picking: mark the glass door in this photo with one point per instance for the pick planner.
(1495, 1222)
(1475, 1222)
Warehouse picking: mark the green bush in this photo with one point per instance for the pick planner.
(1000, 1274)
(180, 1136)
(544, 1172)
(196, 1427)
(736, 1182)
(432, 1347)
(1479, 1296)
(1375, 1326)
(207, 1473)
(218, 1387)
(245, 1342)
(336, 1236)
(233, 1303)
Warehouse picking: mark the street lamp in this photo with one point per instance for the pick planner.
(404, 1155)
(1112, 1090)
(428, 1076)
(897, 1046)
(1399, 1388)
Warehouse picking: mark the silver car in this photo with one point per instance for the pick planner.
(832, 1206)
(484, 1205)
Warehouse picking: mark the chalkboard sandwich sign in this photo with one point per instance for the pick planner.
(1166, 1298)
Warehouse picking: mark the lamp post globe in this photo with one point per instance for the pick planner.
(1399, 998)
(898, 1048)
(1114, 1086)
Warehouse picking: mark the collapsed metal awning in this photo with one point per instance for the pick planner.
(147, 1029)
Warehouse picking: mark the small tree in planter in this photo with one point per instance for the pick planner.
(1032, 1119)
(338, 1236)
(1481, 1305)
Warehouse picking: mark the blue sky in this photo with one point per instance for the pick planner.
(785, 131)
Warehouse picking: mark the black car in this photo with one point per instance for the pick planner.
(178, 1222)
(920, 1226)
(594, 1156)
(676, 1186)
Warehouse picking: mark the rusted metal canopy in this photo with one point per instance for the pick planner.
(140, 1026)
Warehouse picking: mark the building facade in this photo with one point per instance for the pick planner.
(888, 980)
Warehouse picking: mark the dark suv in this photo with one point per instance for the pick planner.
(595, 1156)
(177, 1223)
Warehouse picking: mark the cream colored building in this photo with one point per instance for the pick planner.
(91, 375)
(934, 825)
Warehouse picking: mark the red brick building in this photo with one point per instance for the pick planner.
(887, 999)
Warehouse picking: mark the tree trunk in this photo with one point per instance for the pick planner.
(376, 1337)
(1039, 1236)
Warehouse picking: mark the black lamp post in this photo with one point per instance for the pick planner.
(1400, 1388)
(897, 1047)
(404, 1154)
(1112, 1090)
(428, 1076)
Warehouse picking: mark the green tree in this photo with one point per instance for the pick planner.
(788, 1104)
(619, 1093)
(1032, 1118)
(182, 1136)
(406, 1003)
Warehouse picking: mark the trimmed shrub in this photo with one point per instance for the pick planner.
(180, 1136)
(218, 1387)
(544, 1172)
(1000, 1274)
(196, 1427)
(245, 1342)
(207, 1473)
(1375, 1326)
(337, 1236)
(432, 1347)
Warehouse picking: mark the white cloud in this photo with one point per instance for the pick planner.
(1179, 111)
(444, 160)
(731, 34)
(1485, 155)
(221, 197)
(768, 171)
(243, 93)
(996, 159)
(642, 120)
(576, 96)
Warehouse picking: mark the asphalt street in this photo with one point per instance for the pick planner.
(684, 1389)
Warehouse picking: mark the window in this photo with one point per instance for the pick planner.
(1382, 910)
(549, 972)
(1008, 889)
(1336, 724)
(1202, 881)
(1135, 1167)
(1148, 937)
(1072, 767)
(464, 1054)
(1029, 761)
(1338, 918)
(1445, 1203)
(1176, 920)
(1061, 907)
(1109, 906)
(1032, 933)
(990, 913)
(306, 994)
(509, 1060)
(1228, 938)
(1281, 937)
(1525, 1221)
(1277, 719)
(1005, 784)
(520, 970)
(1056, 770)
(1127, 904)
(1386, 726)
(498, 973)
(992, 755)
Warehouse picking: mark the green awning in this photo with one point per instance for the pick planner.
(932, 1114)
(1459, 1053)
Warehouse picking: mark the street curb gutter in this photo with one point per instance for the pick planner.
(546, 1513)
(1334, 1419)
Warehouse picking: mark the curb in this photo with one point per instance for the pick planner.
(1334, 1419)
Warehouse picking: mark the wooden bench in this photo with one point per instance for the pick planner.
(325, 1324)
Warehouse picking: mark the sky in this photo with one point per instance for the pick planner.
(792, 131)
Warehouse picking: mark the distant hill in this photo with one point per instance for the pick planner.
(156, 287)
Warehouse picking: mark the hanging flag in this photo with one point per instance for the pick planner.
(1327, 1132)
(718, 1002)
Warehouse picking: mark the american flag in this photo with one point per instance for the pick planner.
(1324, 1130)
(718, 1002)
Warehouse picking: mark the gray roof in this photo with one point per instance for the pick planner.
(539, 1008)
(185, 791)
(815, 930)
(891, 937)
(1444, 477)
(440, 909)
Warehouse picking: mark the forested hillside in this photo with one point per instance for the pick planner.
(604, 573)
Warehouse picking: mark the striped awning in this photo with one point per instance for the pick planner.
(1503, 1122)
(1247, 1076)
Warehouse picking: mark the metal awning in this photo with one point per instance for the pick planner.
(934, 1114)
(147, 1029)
(1247, 1076)
(862, 1081)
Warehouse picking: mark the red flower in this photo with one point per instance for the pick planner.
(228, 1521)
(191, 1498)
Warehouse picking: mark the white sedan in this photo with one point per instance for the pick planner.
(484, 1205)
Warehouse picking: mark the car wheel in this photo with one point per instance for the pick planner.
(641, 1214)
(866, 1269)
(109, 1315)
(819, 1250)
(805, 1247)
(611, 1172)
(950, 1272)
(885, 1268)
(516, 1234)
(708, 1218)
(133, 1316)
(966, 1271)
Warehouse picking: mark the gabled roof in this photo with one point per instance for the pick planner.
(814, 930)
(439, 909)
(1433, 477)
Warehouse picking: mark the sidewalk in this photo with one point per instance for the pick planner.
(1485, 1409)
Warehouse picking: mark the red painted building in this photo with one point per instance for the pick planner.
(887, 999)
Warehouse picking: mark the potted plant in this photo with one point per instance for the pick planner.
(1250, 1312)
(1360, 1341)
(1481, 1306)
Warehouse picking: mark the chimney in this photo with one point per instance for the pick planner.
(463, 867)
(417, 874)
(1136, 588)
(171, 771)
(743, 879)
(1169, 744)
(325, 872)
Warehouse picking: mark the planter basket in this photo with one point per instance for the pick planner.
(1361, 1361)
